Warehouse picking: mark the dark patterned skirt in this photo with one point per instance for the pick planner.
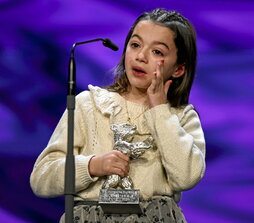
(158, 209)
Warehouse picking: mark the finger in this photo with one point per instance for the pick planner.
(121, 161)
(122, 156)
(159, 69)
(114, 168)
(122, 164)
(156, 76)
(157, 81)
(118, 171)
(121, 169)
(152, 86)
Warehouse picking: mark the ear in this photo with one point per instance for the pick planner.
(179, 71)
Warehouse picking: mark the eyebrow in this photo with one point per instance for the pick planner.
(155, 42)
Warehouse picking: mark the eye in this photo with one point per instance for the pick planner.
(134, 45)
(158, 52)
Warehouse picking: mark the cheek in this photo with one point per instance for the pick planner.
(128, 52)
(168, 72)
(127, 59)
(153, 65)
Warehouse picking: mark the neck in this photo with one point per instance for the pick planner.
(138, 96)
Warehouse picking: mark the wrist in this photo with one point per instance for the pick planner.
(152, 105)
(91, 166)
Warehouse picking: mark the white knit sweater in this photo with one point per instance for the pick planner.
(176, 163)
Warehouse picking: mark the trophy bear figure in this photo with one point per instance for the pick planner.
(123, 135)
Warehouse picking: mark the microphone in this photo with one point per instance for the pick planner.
(108, 43)
(72, 66)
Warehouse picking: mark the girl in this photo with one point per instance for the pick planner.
(151, 90)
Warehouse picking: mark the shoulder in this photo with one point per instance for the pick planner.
(182, 111)
(103, 100)
(83, 100)
(93, 93)
(83, 95)
(186, 113)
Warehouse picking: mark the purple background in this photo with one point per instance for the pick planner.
(35, 42)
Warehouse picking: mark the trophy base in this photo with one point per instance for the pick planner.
(115, 201)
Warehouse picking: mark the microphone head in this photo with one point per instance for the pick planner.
(108, 43)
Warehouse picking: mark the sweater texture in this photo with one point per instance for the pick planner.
(175, 163)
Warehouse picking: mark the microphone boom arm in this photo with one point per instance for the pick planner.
(69, 180)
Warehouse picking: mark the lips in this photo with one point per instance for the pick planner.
(138, 71)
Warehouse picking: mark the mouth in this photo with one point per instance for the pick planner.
(137, 71)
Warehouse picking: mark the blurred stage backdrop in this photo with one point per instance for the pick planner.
(35, 42)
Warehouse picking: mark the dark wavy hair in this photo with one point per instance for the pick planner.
(185, 41)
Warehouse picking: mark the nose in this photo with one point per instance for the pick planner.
(142, 55)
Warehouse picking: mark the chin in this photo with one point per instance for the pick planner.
(140, 87)
(139, 83)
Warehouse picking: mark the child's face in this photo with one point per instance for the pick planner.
(149, 44)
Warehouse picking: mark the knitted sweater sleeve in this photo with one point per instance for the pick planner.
(181, 143)
(47, 178)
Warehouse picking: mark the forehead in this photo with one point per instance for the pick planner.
(152, 31)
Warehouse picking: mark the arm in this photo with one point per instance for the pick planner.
(47, 178)
(181, 143)
(179, 138)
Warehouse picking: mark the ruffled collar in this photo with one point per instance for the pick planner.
(110, 103)
(103, 100)
(114, 105)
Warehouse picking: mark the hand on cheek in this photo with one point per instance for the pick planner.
(157, 91)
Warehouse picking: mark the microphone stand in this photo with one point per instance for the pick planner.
(69, 180)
